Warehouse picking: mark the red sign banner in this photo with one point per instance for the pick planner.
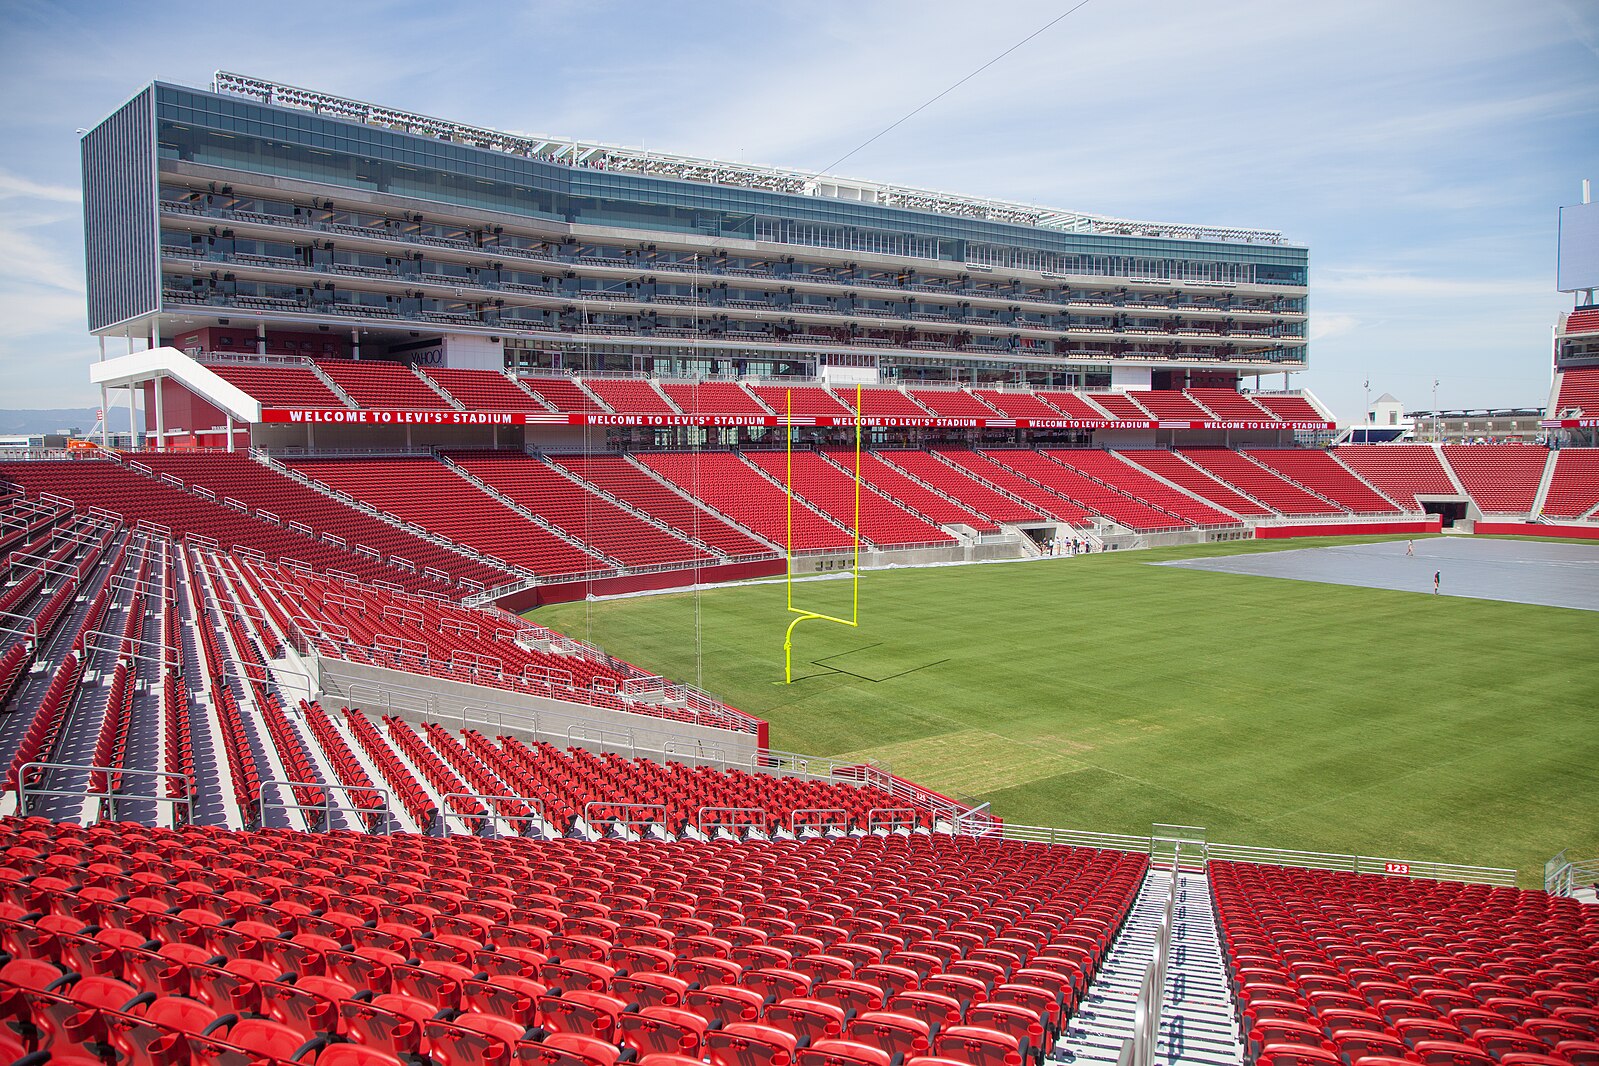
(344, 417)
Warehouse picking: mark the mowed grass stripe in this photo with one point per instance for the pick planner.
(1273, 712)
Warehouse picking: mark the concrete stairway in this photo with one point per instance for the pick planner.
(1198, 1023)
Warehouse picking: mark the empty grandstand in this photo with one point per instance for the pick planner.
(287, 780)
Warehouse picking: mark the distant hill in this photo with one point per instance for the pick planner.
(59, 419)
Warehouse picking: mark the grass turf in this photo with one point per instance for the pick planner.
(1103, 693)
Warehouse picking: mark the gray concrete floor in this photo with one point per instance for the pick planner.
(1550, 574)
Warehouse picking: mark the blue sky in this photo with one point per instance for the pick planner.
(1420, 149)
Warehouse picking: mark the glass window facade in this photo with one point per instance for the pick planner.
(239, 134)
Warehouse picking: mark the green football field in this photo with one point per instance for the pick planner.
(1104, 693)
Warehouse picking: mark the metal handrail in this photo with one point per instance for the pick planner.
(490, 813)
(793, 816)
(629, 822)
(326, 807)
(872, 819)
(699, 822)
(24, 789)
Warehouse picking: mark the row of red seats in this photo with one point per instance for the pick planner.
(581, 514)
(960, 486)
(620, 478)
(728, 485)
(346, 767)
(402, 783)
(1262, 484)
(352, 621)
(1501, 478)
(1323, 474)
(145, 942)
(44, 725)
(109, 485)
(1131, 481)
(1574, 486)
(231, 475)
(1336, 969)
(111, 743)
(997, 475)
(1057, 472)
(383, 385)
(1400, 471)
(242, 767)
(827, 487)
(426, 492)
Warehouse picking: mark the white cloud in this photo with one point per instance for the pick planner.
(14, 186)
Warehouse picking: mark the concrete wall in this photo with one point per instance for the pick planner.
(418, 698)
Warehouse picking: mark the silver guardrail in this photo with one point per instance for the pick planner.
(490, 815)
(113, 795)
(326, 807)
(757, 819)
(625, 822)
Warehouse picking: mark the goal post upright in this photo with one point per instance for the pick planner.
(855, 570)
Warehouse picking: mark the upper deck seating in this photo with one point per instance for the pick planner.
(1121, 405)
(1017, 404)
(279, 386)
(807, 400)
(627, 482)
(713, 397)
(1574, 487)
(1230, 406)
(1401, 471)
(1134, 482)
(561, 394)
(953, 403)
(426, 492)
(1259, 482)
(1073, 404)
(381, 385)
(1170, 405)
(1502, 478)
(1583, 320)
(878, 402)
(882, 521)
(631, 396)
(1047, 503)
(731, 486)
(1289, 408)
(1086, 492)
(580, 513)
(483, 390)
(1579, 390)
(1318, 471)
(959, 485)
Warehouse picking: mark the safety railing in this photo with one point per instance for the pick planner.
(491, 814)
(31, 775)
(622, 819)
(1139, 1049)
(842, 822)
(1563, 877)
(756, 819)
(326, 808)
(889, 818)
